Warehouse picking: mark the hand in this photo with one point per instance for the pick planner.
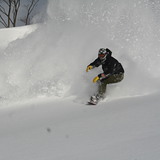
(95, 79)
(89, 68)
(103, 76)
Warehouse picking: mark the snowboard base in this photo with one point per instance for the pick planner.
(91, 103)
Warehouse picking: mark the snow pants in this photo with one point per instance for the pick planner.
(102, 85)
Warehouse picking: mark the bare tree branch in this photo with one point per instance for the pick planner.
(2, 21)
(7, 2)
(5, 13)
(13, 7)
(2, 10)
(16, 5)
(30, 9)
(9, 12)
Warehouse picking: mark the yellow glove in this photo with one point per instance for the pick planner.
(95, 79)
(89, 68)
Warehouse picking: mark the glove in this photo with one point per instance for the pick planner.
(89, 68)
(95, 79)
(100, 77)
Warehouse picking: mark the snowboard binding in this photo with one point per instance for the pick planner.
(95, 99)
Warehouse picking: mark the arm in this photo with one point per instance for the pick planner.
(94, 64)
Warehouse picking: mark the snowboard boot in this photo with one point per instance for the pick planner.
(99, 97)
(94, 99)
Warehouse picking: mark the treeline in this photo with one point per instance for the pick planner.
(9, 12)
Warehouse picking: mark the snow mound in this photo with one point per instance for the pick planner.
(11, 34)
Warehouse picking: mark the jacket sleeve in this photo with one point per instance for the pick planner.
(96, 63)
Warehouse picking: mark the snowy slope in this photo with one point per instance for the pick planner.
(122, 129)
(44, 86)
(11, 34)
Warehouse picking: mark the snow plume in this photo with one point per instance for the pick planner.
(52, 60)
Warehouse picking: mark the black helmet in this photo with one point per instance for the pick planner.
(103, 53)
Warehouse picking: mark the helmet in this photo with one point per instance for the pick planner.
(104, 53)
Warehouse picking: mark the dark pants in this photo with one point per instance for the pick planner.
(102, 85)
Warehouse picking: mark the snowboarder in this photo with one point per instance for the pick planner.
(113, 72)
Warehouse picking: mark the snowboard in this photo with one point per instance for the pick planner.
(92, 103)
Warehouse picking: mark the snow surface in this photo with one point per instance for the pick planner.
(44, 86)
(8, 35)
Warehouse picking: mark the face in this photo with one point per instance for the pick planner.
(102, 56)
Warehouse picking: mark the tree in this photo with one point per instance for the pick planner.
(16, 5)
(30, 8)
(9, 12)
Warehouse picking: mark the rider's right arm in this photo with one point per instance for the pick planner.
(96, 63)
